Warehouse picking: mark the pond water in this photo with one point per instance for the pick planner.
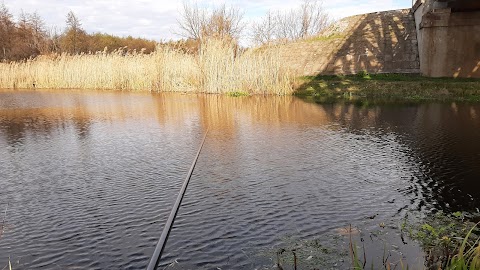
(89, 178)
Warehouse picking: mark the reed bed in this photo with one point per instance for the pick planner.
(217, 68)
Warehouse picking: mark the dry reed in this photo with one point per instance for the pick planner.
(217, 68)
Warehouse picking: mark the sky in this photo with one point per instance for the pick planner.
(157, 19)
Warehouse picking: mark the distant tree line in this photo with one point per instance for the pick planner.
(28, 37)
(307, 20)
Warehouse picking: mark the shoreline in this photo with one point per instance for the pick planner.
(360, 89)
(387, 87)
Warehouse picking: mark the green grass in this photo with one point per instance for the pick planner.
(392, 87)
(326, 38)
(468, 257)
(237, 94)
(449, 241)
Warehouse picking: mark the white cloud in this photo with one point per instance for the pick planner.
(343, 8)
(157, 19)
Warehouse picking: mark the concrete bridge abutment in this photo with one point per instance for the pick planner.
(448, 33)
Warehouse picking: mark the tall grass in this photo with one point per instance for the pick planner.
(468, 256)
(218, 68)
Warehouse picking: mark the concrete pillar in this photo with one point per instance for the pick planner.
(449, 42)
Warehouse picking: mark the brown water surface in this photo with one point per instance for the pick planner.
(89, 177)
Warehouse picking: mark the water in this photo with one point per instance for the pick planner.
(90, 177)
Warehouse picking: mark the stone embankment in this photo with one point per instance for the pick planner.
(381, 42)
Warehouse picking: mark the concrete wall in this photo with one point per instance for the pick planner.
(427, 39)
(449, 42)
(381, 42)
(418, 10)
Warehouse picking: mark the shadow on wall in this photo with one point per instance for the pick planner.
(382, 42)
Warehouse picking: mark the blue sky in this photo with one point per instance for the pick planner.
(157, 19)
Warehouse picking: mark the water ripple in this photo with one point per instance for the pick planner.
(90, 185)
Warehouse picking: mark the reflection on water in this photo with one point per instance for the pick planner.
(90, 177)
(441, 141)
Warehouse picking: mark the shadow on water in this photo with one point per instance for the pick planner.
(442, 140)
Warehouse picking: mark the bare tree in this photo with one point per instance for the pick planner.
(31, 33)
(191, 21)
(53, 40)
(220, 22)
(39, 33)
(264, 31)
(74, 35)
(7, 28)
(307, 20)
(287, 25)
(22, 39)
(73, 23)
(73, 27)
(224, 23)
(313, 18)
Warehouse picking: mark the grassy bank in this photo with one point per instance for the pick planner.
(220, 68)
(388, 86)
(447, 241)
(217, 68)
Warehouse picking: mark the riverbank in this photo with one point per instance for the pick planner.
(395, 87)
(220, 69)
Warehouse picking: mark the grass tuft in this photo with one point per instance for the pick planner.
(466, 258)
(237, 94)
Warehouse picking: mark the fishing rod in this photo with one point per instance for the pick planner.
(157, 254)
